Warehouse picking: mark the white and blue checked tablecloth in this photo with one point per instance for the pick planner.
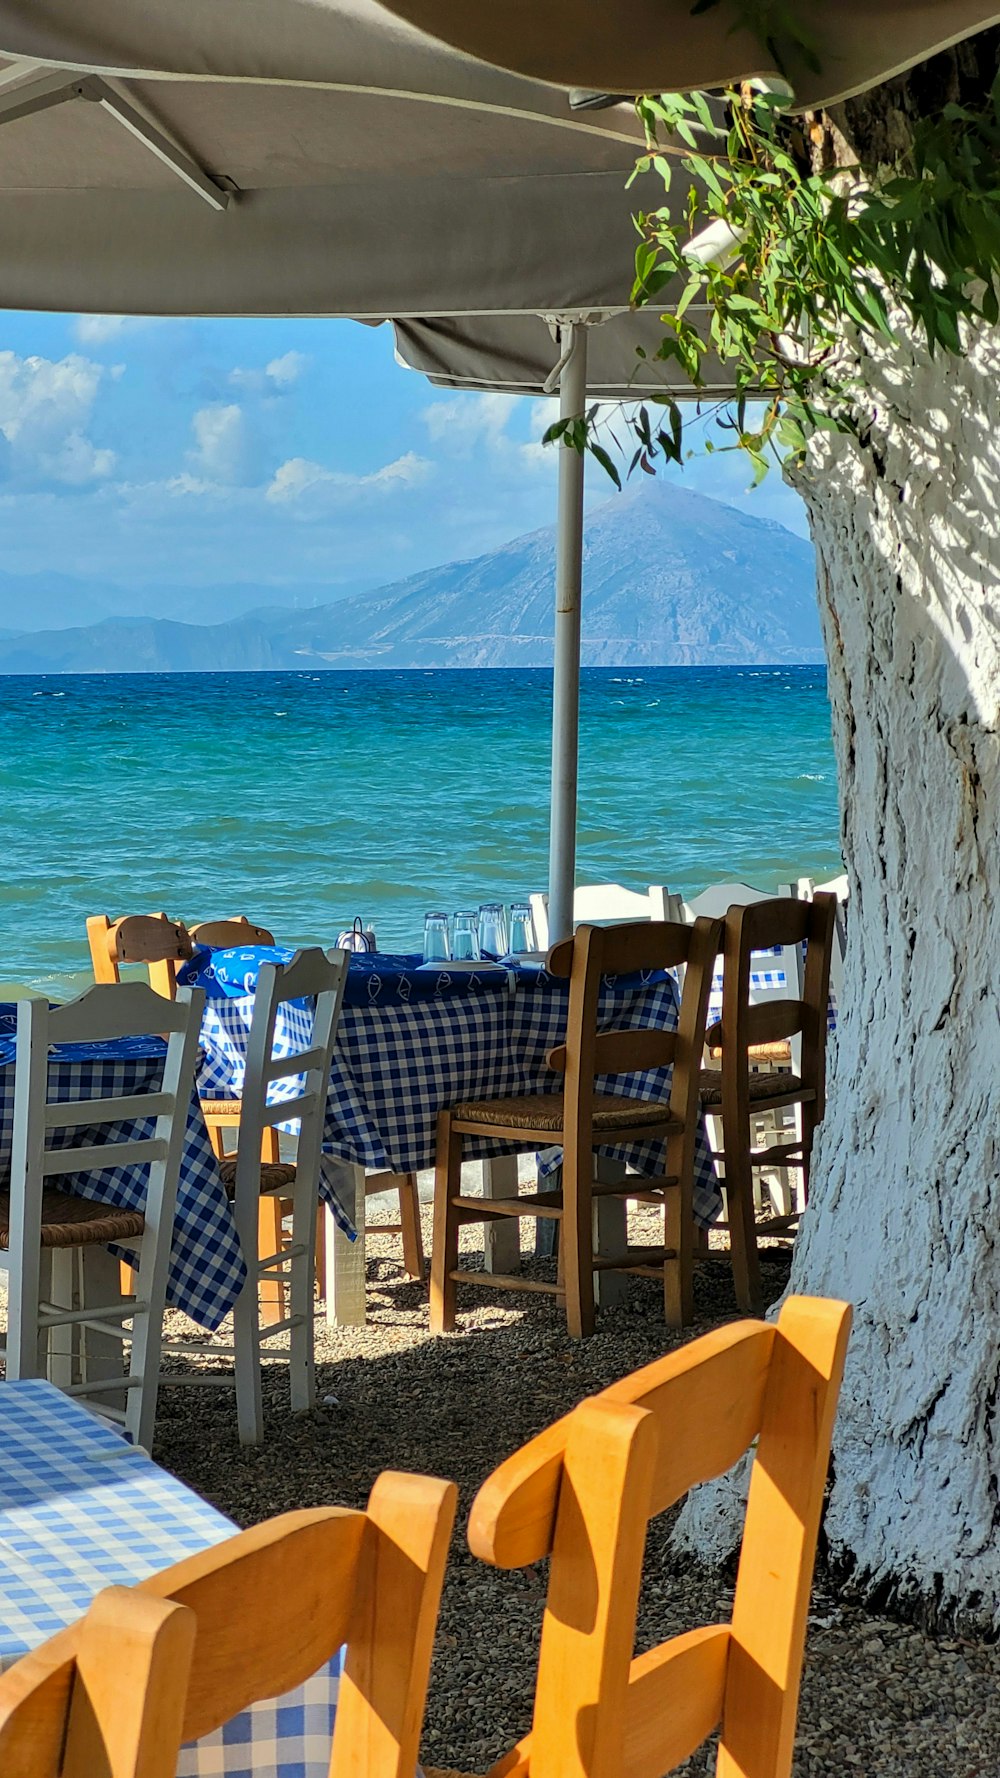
(763, 977)
(81, 1510)
(206, 1265)
(404, 1051)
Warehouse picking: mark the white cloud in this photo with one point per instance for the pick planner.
(286, 369)
(469, 420)
(45, 408)
(299, 477)
(96, 330)
(279, 374)
(223, 447)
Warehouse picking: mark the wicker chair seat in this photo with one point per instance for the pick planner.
(275, 1176)
(544, 1112)
(762, 1087)
(221, 1108)
(77, 1222)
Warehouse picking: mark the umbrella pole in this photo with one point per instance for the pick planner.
(566, 660)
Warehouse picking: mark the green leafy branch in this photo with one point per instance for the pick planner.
(807, 255)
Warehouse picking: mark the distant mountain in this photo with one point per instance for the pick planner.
(32, 602)
(670, 578)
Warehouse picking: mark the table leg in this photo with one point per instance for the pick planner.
(502, 1240)
(345, 1260)
(610, 1233)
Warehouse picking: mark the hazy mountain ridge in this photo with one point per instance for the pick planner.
(670, 578)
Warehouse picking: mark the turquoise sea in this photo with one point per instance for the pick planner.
(303, 799)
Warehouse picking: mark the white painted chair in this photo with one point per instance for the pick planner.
(805, 889)
(318, 977)
(42, 1225)
(601, 904)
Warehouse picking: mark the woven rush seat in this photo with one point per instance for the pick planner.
(77, 1222)
(761, 1087)
(544, 1111)
(220, 1107)
(275, 1176)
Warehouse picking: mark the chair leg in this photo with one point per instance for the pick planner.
(742, 1232)
(444, 1252)
(302, 1358)
(576, 1241)
(246, 1341)
(409, 1221)
(678, 1273)
(269, 1240)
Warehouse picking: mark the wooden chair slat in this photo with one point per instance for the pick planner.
(675, 1699)
(623, 1052)
(773, 1020)
(223, 935)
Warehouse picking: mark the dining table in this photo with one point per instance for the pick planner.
(207, 1268)
(414, 1039)
(81, 1509)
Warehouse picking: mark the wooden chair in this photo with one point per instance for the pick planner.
(581, 1118)
(805, 888)
(272, 1605)
(152, 939)
(598, 903)
(582, 1494)
(222, 934)
(103, 1699)
(735, 1095)
(38, 1222)
(318, 977)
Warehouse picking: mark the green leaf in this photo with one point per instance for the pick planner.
(606, 463)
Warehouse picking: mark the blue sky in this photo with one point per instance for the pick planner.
(281, 453)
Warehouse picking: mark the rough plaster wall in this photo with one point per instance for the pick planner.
(905, 1214)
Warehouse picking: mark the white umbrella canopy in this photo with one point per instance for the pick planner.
(652, 46)
(318, 157)
(235, 157)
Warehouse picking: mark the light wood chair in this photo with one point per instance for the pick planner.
(318, 977)
(152, 939)
(104, 1698)
(581, 1118)
(735, 1095)
(582, 1494)
(597, 904)
(39, 1223)
(272, 1605)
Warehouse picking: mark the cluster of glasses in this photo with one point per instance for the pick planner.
(470, 936)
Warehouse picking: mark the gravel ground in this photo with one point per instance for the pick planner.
(878, 1697)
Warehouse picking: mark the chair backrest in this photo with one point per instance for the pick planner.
(583, 1492)
(222, 935)
(840, 886)
(774, 977)
(302, 1078)
(105, 1012)
(597, 903)
(800, 1016)
(597, 951)
(273, 1604)
(152, 939)
(103, 1699)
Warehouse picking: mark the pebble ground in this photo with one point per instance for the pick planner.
(879, 1697)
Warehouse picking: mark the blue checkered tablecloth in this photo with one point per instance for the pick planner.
(81, 1510)
(764, 976)
(398, 1061)
(206, 1265)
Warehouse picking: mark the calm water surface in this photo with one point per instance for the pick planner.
(302, 799)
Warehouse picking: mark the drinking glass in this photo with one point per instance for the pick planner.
(493, 929)
(522, 929)
(464, 937)
(436, 946)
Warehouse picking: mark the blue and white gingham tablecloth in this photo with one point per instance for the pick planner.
(81, 1510)
(206, 1265)
(399, 1060)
